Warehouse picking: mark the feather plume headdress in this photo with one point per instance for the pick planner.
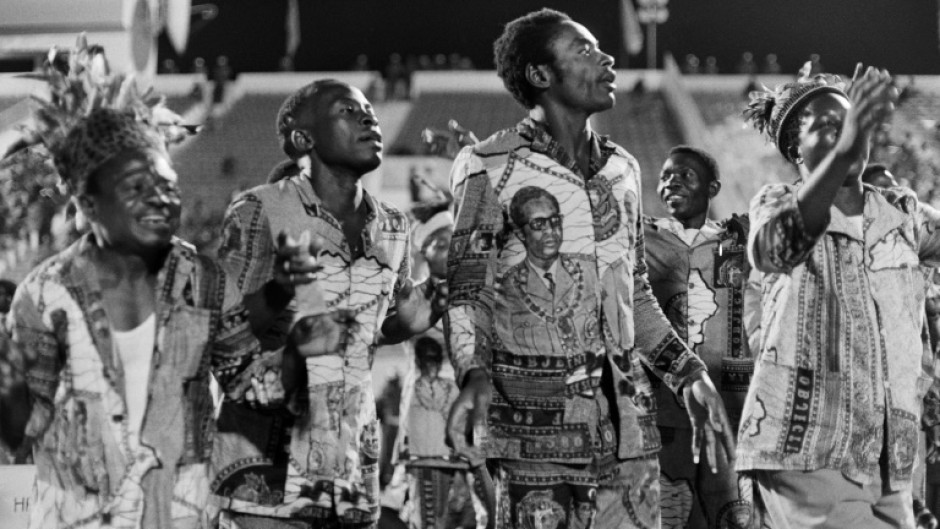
(771, 111)
(92, 114)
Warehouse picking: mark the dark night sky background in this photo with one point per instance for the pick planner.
(900, 35)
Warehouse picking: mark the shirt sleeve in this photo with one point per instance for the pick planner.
(928, 234)
(37, 353)
(247, 254)
(234, 347)
(778, 240)
(404, 273)
(659, 347)
(752, 311)
(471, 266)
(247, 250)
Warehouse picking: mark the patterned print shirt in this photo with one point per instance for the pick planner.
(547, 348)
(332, 465)
(842, 369)
(88, 474)
(700, 287)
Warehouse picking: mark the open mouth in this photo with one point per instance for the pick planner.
(155, 221)
(674, 200)
(609, 79)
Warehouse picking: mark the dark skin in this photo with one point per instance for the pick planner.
(339, 134)
(578, 84)
(686, 189)
(133, 210)
(834, 142)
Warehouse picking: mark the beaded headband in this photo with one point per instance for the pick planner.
(770, 111)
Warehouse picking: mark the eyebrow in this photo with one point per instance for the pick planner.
(346, 99)
(580, 41)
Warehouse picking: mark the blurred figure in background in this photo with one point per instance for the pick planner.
(698, 271)
(878, 175)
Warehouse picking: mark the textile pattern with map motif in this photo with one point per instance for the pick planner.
(88, 473)
(331, 470)
(842, 369)
(542, 348)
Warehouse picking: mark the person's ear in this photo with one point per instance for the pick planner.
(538, 76)
(713, 188)
(86, 205)
(301, 140)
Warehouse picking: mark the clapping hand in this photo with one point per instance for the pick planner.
(447, 143)
(296, 260)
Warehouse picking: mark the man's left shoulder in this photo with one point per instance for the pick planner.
(618, 151)
(393, 219)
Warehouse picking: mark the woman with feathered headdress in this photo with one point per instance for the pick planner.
(830, 424)
(114, 340)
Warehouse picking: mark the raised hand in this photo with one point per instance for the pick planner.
(873, 97)
(447, 143)
(417, 308)
(296, 260)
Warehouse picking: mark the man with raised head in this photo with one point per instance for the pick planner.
(350, 290)
(547, 296)
(698, 271)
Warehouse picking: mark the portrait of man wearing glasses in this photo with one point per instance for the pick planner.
(545, 289)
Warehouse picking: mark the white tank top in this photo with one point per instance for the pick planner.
(135, 349)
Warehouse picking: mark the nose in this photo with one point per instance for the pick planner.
(165, 193)
(606, 60)
(369, 119)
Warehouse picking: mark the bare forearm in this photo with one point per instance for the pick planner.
(816, 195)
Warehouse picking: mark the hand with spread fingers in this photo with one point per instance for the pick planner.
(709, 419)
(447, 143)
(466, 425)
(873, 97)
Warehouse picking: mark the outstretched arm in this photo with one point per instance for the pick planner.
(872, 98)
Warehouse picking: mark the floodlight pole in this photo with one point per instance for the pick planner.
(652, 13)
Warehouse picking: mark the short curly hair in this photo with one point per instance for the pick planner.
(290, 109)
(526, 40)
(523, 197)
(703, 156)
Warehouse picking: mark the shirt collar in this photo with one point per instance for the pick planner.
(879, 218)
(541, 272)
(542, 141)
(708, 230)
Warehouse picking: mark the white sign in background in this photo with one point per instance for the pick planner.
(16, 491)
